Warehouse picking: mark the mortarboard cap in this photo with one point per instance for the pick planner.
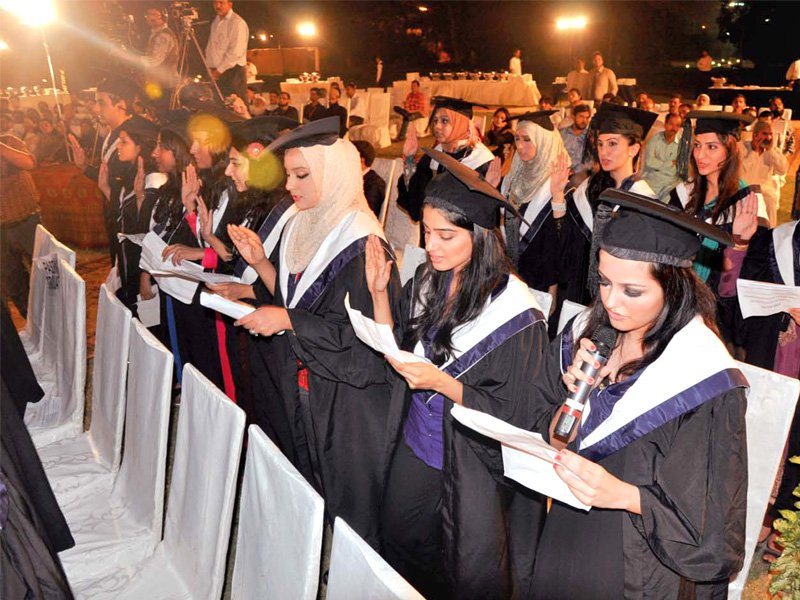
(321, 132)
(717, 121)
(540, 117)
(463, 107)
(265, 130)
(177, 122)
(646, 230)
(464, 188)
(625, 120)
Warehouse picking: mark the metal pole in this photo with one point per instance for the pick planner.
(55, 94)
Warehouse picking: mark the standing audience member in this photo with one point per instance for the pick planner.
(761, 163)
(226, 51)
(704, 62)
(374, 185)
(661, 156)
(413, 108)
(19, 216)
(515, 63)
(604, 81)
(161, 57)
(580, 79)
(575, 137)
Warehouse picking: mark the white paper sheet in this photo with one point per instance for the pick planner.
(378, 336)
(136, 238)
(152, 251)
(527, 458)
(231, 308)
(149, 310)
(758, 299)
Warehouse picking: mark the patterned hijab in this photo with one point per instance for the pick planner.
(526, 177)
(336, 172)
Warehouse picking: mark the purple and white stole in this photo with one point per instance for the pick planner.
(269, 233)
(693, 369)
(345, 241)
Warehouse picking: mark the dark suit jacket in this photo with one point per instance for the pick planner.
(289, 113)
(375, 191)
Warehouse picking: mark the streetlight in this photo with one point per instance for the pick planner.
(307, 29)
(39, 13)
(422, 8)
(572, 25)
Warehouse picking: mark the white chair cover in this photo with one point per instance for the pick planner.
(72, 462)
(62, 364)
(375, 129)
(386, 168)
(44, 243)
(568, 310)
(411, 258)
(280, 527)
(124, 527)
(400, 229)
(770, 408)
(357, 572)
(190, 561)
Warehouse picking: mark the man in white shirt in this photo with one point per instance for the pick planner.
(580, 79)
(661, 157)
(358, 107)
(515, 63)
(761, 162)
(604, 80)
(226, 51)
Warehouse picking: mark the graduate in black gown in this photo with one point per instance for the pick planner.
(135, 145)
(332, 385)
(620, 133)
(451, 524)
(713, 193)
(451, 124)
(266, 207)
(532, 244)
(660, 453)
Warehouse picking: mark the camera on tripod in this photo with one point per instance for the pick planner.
(184, 12)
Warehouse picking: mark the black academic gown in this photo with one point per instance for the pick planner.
(133, 219)
(490, 525)
(538, 259)
(761, 333)
(688, 541)
(339, 430)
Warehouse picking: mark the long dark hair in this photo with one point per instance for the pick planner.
(169, 207)
(440, 315)
(728, 182)
(685, 296)
(214, 179)
(602, 180)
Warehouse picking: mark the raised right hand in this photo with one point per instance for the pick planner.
(247, 243)
(78, 153)
(377, 270)
(559, 175)
(190, 187)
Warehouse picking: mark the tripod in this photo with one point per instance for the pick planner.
(187, 36)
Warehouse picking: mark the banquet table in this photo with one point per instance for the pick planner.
(299, 90)
(517, 91)
(755, 95)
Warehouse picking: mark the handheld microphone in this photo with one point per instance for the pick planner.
(604, 339)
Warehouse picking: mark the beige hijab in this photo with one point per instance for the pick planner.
(526, 177)
(336, 172)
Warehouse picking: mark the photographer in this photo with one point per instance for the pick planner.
(161, 56)
(760, 161)
(226, 51)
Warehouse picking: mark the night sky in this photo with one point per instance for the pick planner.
(639, 39)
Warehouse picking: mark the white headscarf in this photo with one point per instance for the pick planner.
(336, 172)
(526, 177)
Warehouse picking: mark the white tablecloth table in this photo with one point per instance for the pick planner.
(514, 92)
